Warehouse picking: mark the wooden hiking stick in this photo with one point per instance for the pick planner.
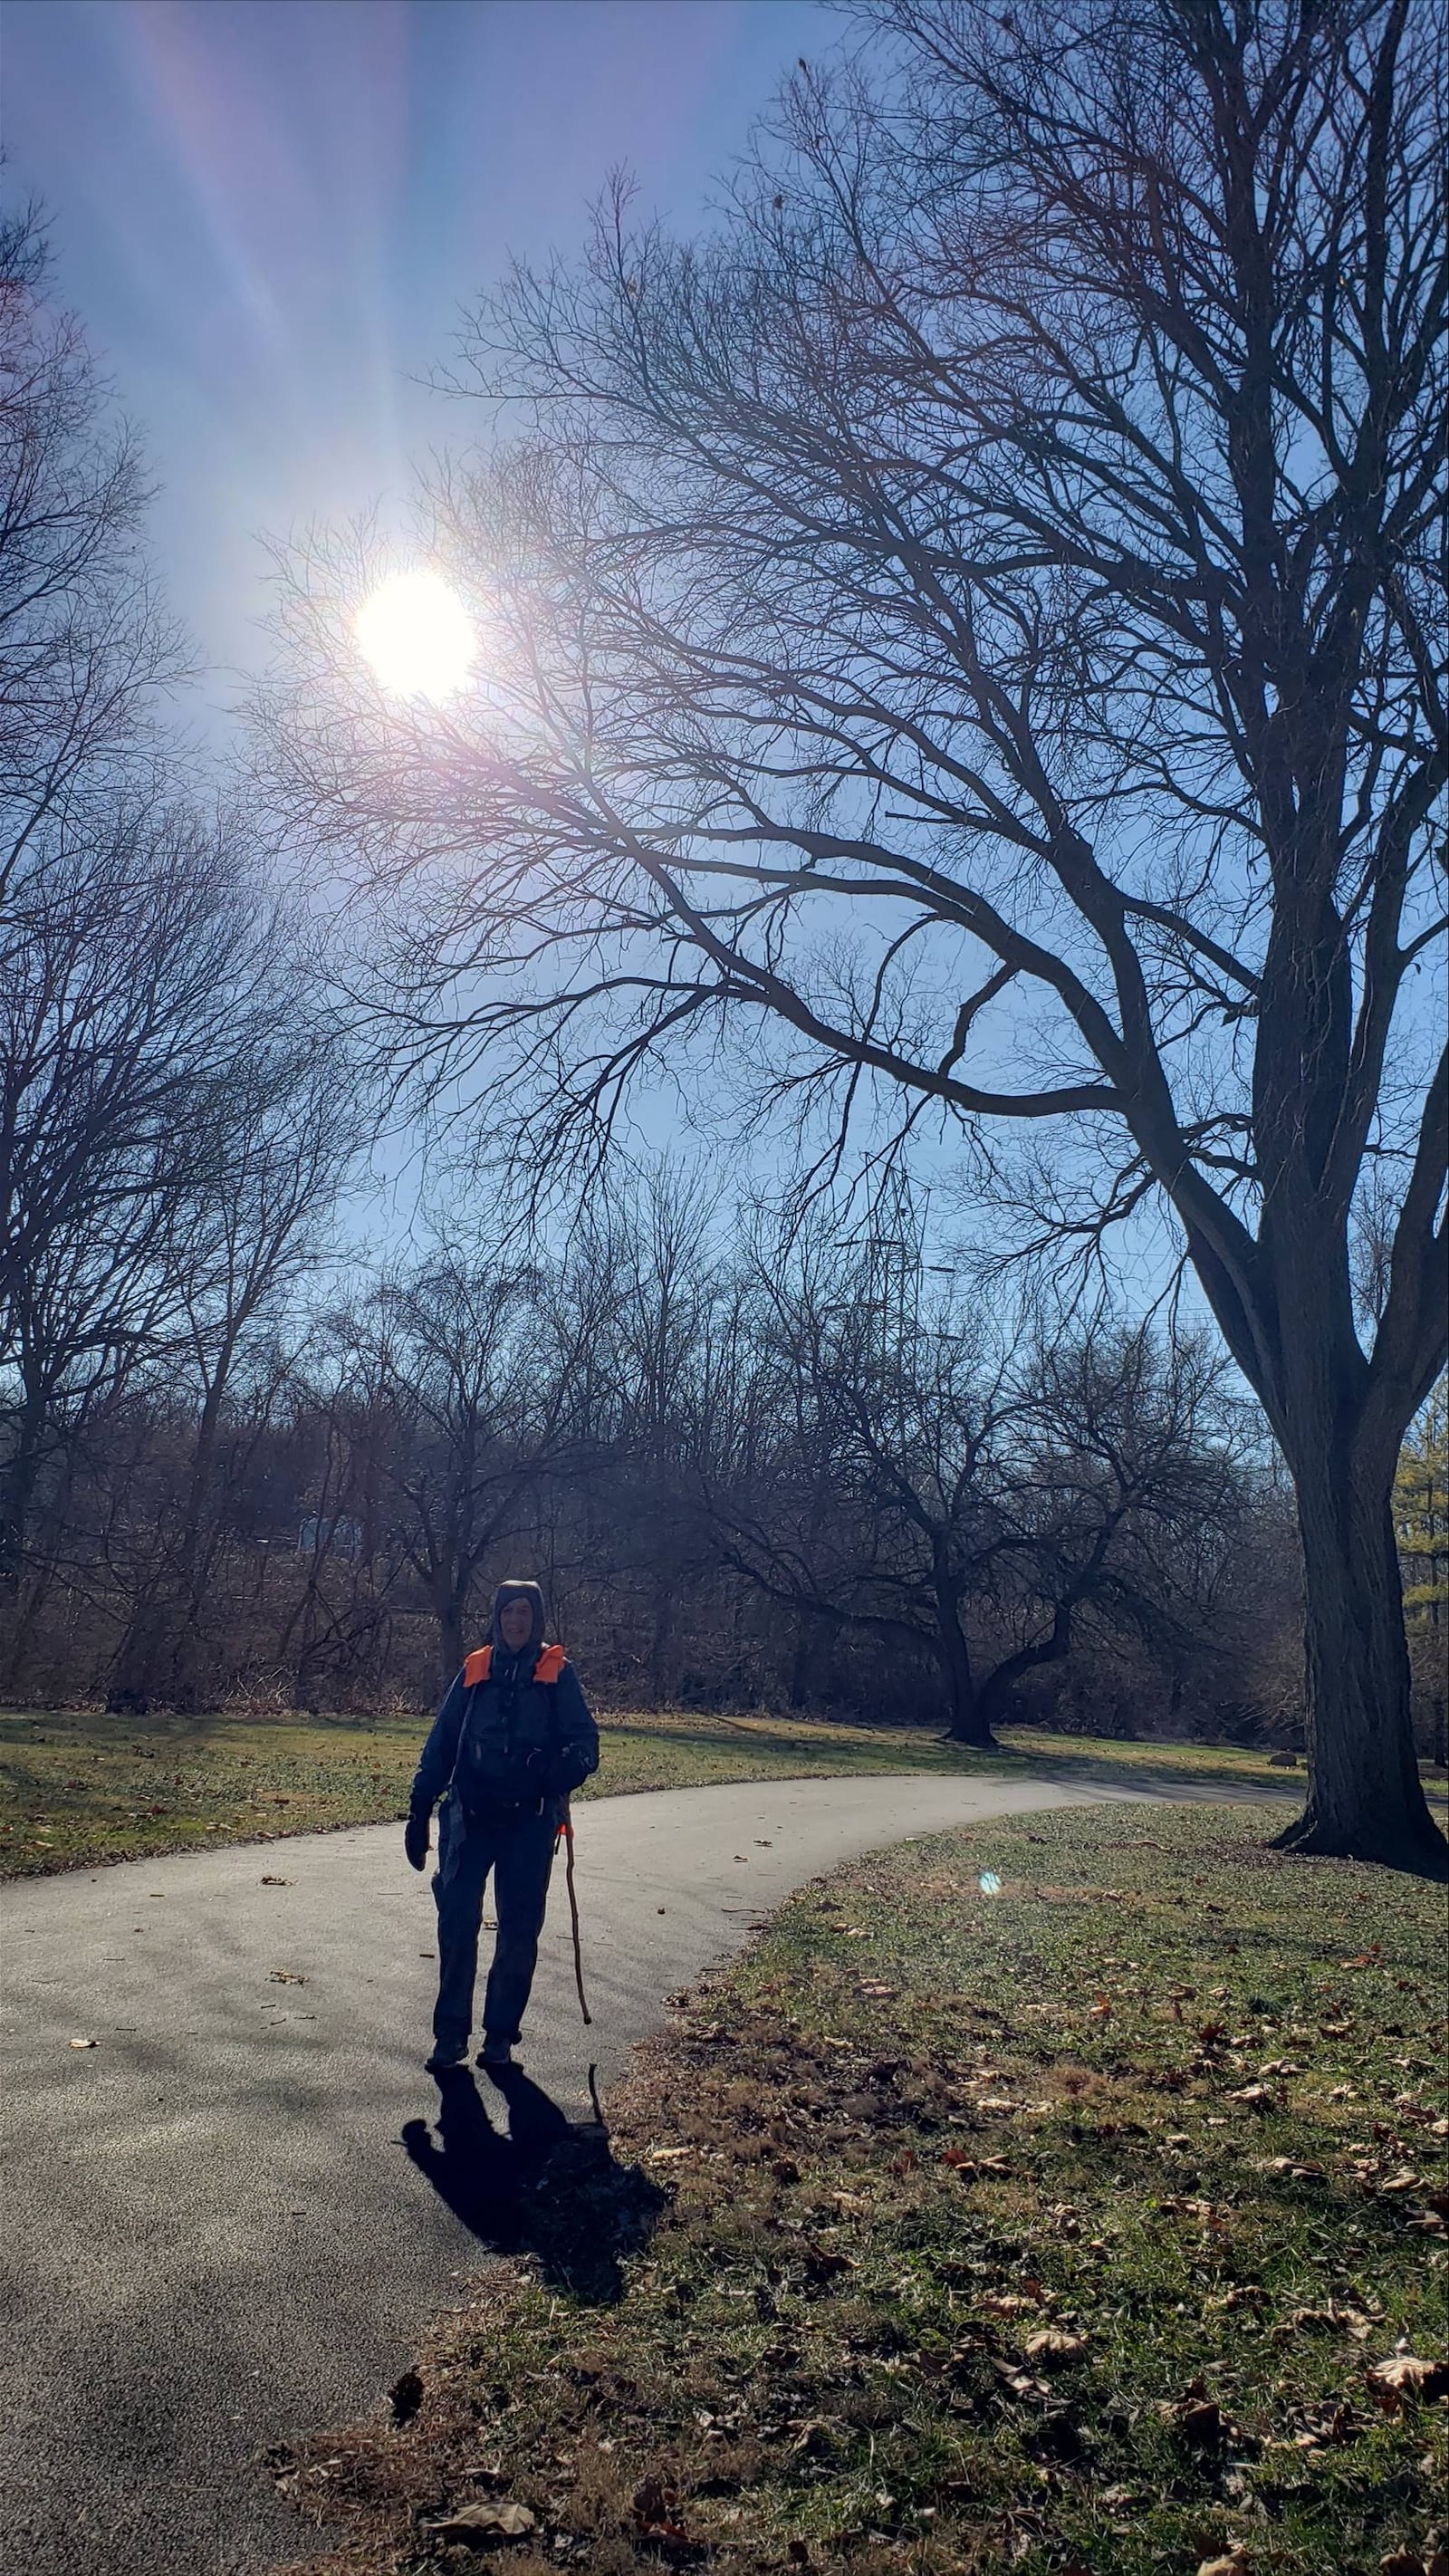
(567, 1830)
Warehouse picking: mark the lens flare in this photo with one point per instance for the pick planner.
(989, 1883)
(417, 637)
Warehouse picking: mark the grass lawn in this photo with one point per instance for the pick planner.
(1064, 2196)
(78, 1788)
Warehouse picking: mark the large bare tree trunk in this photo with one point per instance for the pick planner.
(18, 1491)
(1365, 1799)
(812, 1667)
(968, 1723)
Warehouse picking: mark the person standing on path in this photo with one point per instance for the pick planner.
(513, 1737)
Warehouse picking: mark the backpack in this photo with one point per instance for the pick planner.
(493, 1765)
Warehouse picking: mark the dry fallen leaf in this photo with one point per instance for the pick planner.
(1402, 2562)
(276, 1882)
(1236, 2563)
(655, 2507)
(1405, 2375)
(1196, 2417)
(287, 1977)
(1051, 2345)
(486, 2521)
(85, 2043)
(405, 2397)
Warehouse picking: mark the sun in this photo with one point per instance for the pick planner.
(417, 636)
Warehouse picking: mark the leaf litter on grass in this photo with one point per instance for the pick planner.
(972, 2276)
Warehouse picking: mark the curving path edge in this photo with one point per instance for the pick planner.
(213, 2239)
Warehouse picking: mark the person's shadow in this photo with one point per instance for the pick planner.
(548, 2187)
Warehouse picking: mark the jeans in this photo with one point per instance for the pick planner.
(518, 1849)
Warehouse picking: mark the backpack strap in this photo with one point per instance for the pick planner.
(479, 1664)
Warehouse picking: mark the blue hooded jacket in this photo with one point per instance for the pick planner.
(514, 1730)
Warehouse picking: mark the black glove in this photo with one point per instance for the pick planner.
(415, 1837)
(569, 1768)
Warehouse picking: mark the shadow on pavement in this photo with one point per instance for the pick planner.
(1157, 1779)
(548, 2186)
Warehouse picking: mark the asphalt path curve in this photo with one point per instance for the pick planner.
(215, 2236)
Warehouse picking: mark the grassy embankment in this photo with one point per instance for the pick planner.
(1090, 2227)
(80, 1788)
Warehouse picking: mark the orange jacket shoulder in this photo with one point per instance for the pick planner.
(550, 1664)
(476, 1667)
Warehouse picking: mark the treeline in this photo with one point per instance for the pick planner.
(749, 1469)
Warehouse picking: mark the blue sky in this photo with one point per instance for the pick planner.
(268, 213)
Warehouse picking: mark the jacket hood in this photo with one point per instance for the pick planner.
(517, 1591)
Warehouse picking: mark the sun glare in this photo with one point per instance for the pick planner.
(417, 636)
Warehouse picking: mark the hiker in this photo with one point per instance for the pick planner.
(512, 1738)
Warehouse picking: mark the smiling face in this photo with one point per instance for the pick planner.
(515, 1625)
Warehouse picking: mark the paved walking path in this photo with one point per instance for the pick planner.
(213, 2236)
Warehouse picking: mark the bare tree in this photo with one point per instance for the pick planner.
(655, 1278)
(102, 885)
(130, 1028)
(84, 642)
(995, 1500)
(484, 1373)
(272, 1129)
(1010, 545)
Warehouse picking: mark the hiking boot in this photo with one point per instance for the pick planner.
(496, 2052)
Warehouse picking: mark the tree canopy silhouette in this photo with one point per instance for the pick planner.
(973, 616)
